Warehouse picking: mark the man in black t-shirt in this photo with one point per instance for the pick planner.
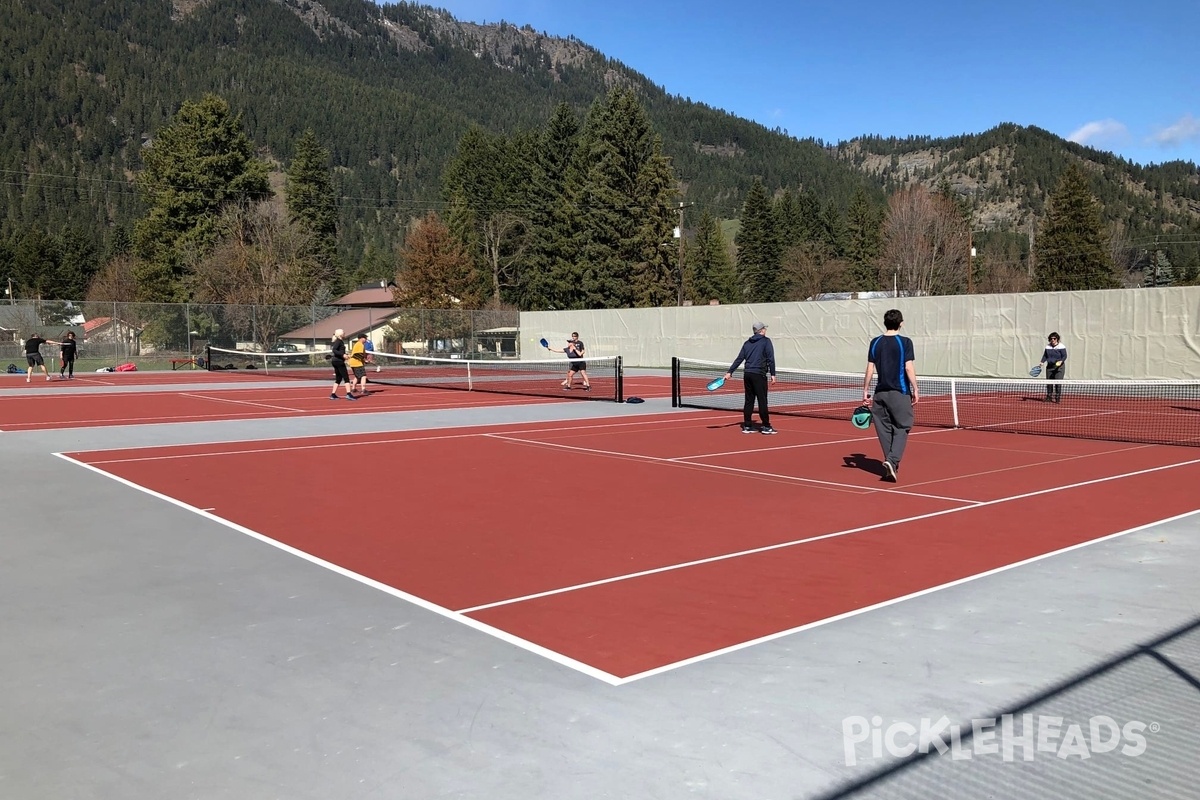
(33, 355)
(890, 359)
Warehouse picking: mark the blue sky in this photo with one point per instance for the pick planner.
(1119, 76)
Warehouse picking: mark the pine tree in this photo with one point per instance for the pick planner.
(551, 271)
(1072, 249)
(198, 164)
(864, 242)
(622, 191)
(487, 184)
(709, 273)
(757, 248)
(311, 202)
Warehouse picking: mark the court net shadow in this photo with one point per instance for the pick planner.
(1155, 686)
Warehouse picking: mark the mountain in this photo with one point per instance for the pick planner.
(389, 90)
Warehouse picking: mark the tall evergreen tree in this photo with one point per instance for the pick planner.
(1072, 248)
(710, 272)
(551, 269)
(198, 164)
(864, 242)
(311, 202)
(487, 185)
(622, 188)
(757, 248)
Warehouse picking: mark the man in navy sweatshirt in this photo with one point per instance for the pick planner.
(759, 355)
(1054, 359)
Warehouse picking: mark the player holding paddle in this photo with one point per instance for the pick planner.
(1054, 359)
(574, 350)
(759, 355)
(890, 357)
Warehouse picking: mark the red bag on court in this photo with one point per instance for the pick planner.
(126, 368)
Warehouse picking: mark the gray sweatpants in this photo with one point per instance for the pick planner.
(893, 415)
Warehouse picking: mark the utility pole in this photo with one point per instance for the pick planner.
(679, 236)
(970, 261)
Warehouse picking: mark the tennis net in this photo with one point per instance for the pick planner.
(533, 378)
(1145, 412)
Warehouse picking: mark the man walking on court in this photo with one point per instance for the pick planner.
(1054, 359)
(890, 359)
(759, 355)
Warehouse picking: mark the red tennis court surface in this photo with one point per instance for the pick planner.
(91, 379)
(77, 409)
(625, 548)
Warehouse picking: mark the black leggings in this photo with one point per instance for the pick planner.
(756, 389)
(67, 365)
(340, 375)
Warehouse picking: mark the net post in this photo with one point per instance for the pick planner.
(954, 400)
(674, 382)
(208, 357)
(470, 383)
(620, 381)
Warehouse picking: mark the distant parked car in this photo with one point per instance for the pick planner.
(289, 354)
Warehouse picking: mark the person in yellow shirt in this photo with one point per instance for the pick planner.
(358, 364)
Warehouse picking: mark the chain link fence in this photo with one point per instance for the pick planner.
(170, 336)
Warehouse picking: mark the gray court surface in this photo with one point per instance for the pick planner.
(152, 653)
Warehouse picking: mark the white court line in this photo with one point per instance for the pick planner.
(502, 635)
(392, 440)
(682, 461)
(822, 537)
(243, 403)
(1039, 463)
(913, 595)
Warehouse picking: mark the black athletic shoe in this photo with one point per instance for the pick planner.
(768, 431)
(748, 429)
(333, 396)
(889, 472)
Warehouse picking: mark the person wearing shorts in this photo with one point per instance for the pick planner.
(337, 359)
(358, 364)
(33, 355)
(66, 357)
(576, 350)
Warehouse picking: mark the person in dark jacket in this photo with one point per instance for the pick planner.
(66, 358)
(337, 359)
(1054, 359)
(759, 356)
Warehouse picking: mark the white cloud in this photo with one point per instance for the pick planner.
(1100, 132)
(1184, 129)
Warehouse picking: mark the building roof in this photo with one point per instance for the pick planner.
(374, 296)
(353, 322)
